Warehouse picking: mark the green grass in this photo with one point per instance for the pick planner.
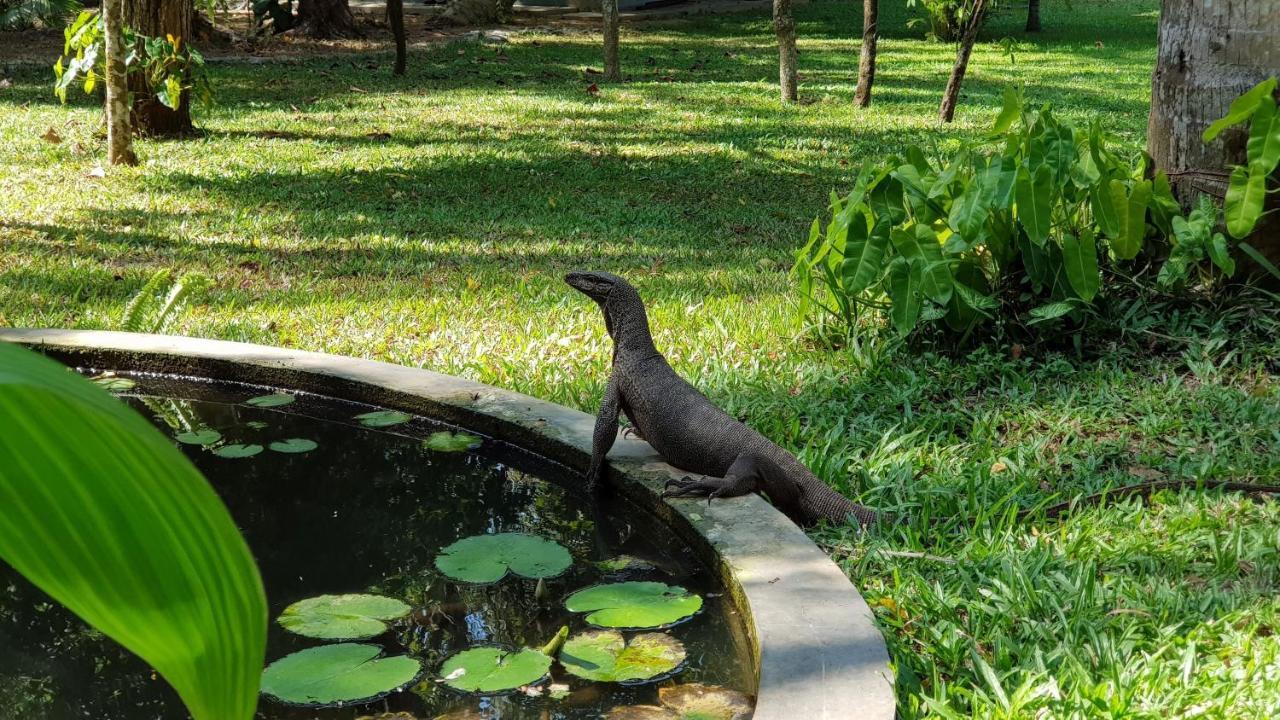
(443, 245)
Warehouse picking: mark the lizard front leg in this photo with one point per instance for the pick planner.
(743, 476)
(605, 433)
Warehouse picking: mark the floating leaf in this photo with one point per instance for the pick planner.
(606, 656)
(343, 673)
(445, 441)
(113, 383)
(199, 437)
(238, 451)
(487, 558)
(492, 669)
(383, 418)
(695, 701)
(273, 400)
(293, 445)
(622, 564)
(342, 617)
(634, 604)
(256, 424)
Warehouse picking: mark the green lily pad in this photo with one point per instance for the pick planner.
(343, 673)
(199, 437)
(624, 564)
(383, 418)
(492, 669)
(113, 383)
(342, 617)
(272, 400)
(488, 558)
(293, 445)
(256, 424)
(445, 441)
(692, 701)
(606, 656)
(634, 604)
(238, 451)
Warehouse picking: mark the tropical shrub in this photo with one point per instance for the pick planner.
(170, 67)
(161, 300)
(105, 515)
(25, 14)
(1019, 225)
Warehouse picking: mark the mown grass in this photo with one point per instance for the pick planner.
(427, 221)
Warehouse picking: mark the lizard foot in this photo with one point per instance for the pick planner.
(631, 432)
(694, 487)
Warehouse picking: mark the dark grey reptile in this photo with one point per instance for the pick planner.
(686, 429)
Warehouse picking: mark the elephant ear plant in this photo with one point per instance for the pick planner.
(104, 514)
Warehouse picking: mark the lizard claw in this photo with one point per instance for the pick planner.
(631, 432)
(688, 487)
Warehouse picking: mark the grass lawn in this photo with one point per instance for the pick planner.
(427, 220)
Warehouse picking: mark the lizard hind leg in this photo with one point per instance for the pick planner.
(742, 478)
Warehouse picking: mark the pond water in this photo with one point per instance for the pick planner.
(367, 511)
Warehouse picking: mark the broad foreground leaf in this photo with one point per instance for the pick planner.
(104, 514)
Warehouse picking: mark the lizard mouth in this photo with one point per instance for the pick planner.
(592, 285)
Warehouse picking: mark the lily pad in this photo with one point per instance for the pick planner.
(343, 673)
(488, 558)
(383, 418)
(606, 656)
(238, 451)
(634, 604)
(199, 437)
(256, 424)
(272, 400)
(293, 445)
(445, 441)
(113, 383)
(692, 701)
(493, 669)
(624, 564)
(342, 617)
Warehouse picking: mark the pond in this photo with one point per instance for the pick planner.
(336, 498)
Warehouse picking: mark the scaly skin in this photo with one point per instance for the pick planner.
(687, 430)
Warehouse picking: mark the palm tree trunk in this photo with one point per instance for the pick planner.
(785, 27)
(395, 17)
(952, 94)
(609, 11)
(326, 19)
(158, 18)
(1033, 16)
(867, 58)
(119, 133)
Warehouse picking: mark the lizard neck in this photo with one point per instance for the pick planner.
(628, 325)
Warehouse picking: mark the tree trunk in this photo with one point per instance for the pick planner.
(326, 19)
(119, 134)
(867, 59)
(1033, 16)
(158, 18)
(785, 26)
(609, 12)
(395, 17)
(952, 94)
(476, 12)
(1208, 54)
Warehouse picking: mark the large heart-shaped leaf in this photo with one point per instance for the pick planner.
(919, 243)
(1034, 195)
(1263, 149)
(905, 280)
(634, 604)
(1242, 108)
(606, 656)
(101, 511)
(342, 617)
(331, 674)
(492, 669)
(1246, 192)
(1080, 255)
(488, 558)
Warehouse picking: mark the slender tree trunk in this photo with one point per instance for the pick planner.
(326, 19)
(395, 17)
(158, 18)
(867, 59)
(119, 133)
(1208, 54)
(609, 11)
(785, 26)
(952, 94)
(1033, 16)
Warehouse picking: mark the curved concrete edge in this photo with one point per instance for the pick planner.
(820, 655)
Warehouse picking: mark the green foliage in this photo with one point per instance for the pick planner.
(383, 418)
(445, 441)
(1247, 187)
(342, 617)
(607, 656)
(160, 301)
(632, 605)
(488, 558)
(171, 68)
(492, 669)
(293, 445)
(270, 401)
(106, 516)
(332, 674)
(26, 14)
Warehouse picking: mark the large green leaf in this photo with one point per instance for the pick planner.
(608, 657)
(492, 669)
(332, 674)
(1242, 108)
(1009, 110)
(383, 418)
(1246, 192)
(1220, 253)
(273, 400)
(1035, 201)
(1263, 149)
(1133, 217)
(487, 558)
(919, 243)
(445, 441)
(864, 256)
(1080, 255)
(630, 605)
(905, 280)
(342, 617)
(104, 514)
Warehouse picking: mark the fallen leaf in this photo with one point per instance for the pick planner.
(5, 84)
(96, 172)
(52, 136)
(1016, 351)
(1145, 473)
(378, 135)
(593, 89)
(998, 467)
(353, 88)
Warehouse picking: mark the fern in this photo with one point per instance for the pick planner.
(26, 14)
(160, 301)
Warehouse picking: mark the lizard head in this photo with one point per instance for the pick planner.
(624, 314)
(595, 285)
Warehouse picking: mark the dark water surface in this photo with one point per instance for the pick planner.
(367, 511)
